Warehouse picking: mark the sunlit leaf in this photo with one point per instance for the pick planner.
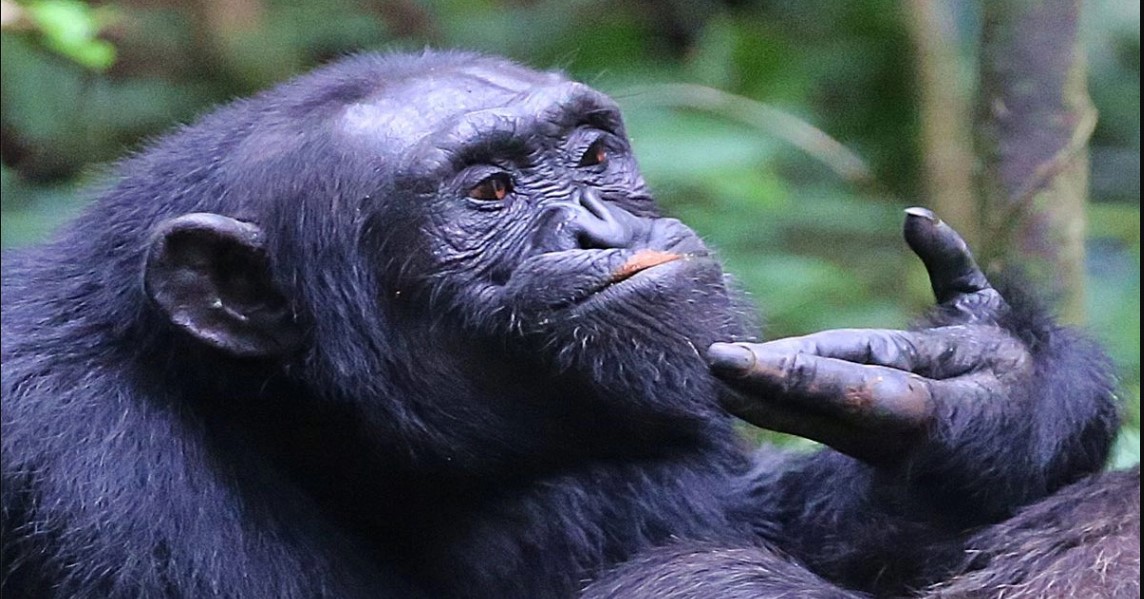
(71, 28)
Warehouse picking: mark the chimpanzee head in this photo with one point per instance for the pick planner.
(459, 242)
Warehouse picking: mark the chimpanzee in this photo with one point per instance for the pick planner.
(412, 325)
(1083, 541)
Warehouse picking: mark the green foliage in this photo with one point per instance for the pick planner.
(70, 27)
(1126, 451)
(40, 209)
(1114, 309)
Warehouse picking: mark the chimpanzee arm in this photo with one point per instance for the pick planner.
(987, 408)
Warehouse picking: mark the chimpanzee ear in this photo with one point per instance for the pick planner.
(210, 276)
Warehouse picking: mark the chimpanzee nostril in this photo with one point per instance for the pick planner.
(600, 226)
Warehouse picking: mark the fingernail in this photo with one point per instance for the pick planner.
(730, 358)
(925, 213)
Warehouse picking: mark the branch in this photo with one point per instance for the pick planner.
(763, 117)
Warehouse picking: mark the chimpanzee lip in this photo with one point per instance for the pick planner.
(641, 261)
(593, 276)
(636, 272)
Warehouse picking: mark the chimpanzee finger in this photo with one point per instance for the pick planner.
(869, 412)
(937, 353)
(952, 269)
(903, 350)
(862, 395)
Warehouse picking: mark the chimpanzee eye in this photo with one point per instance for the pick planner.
(597, 153)
(492, 188)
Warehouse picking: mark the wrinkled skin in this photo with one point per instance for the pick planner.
(413, 326)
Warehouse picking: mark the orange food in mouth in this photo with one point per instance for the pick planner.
(642, 260)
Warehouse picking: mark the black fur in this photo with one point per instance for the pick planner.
(437, 432)
(1084, 541)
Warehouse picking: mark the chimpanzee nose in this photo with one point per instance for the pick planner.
(600, 226)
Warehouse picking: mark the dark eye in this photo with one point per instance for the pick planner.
(493, 188)
(597, 153)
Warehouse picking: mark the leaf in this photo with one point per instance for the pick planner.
(71, 28)
(1126, 451)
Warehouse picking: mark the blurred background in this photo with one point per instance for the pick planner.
(791, 134)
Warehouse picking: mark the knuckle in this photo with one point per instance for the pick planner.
(798, 371)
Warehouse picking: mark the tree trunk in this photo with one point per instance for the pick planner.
(1034, 120)
(945, 111)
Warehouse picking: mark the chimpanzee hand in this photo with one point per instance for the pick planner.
(876, 394)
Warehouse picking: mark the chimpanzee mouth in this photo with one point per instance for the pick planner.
(639, 262)
(590, 278)
(643, 272)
